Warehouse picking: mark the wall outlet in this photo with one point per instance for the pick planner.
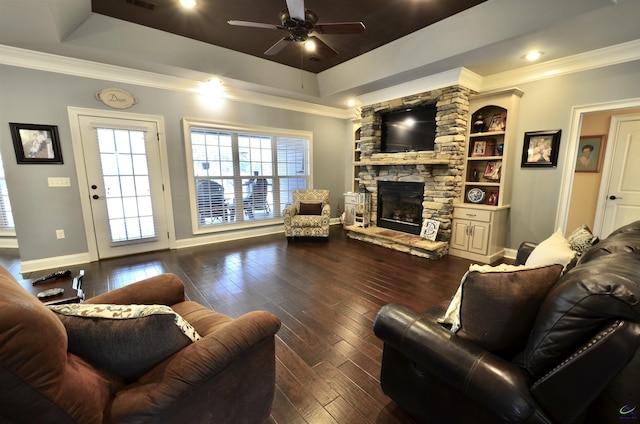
(59, 234)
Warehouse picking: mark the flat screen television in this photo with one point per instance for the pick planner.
(411, 129)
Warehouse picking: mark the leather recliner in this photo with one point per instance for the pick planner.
(590, 322)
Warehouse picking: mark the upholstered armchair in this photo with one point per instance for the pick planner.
(59, 365)
(309, 214)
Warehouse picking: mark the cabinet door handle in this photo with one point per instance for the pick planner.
(471, 231)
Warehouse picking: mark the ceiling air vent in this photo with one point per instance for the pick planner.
(314, 59)
(141, 3)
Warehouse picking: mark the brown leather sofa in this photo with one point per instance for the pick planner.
(228, 376)
(580, 364)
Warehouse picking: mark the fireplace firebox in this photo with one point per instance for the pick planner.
(400, 206)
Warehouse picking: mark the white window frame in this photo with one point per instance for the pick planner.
(5, 206)
(189, 123)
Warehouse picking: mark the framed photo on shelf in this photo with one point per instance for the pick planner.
(36, 144)
(498, 122)
(483, 148)
(540, 149)
(492, 198)
(492, 171)
(590, 153)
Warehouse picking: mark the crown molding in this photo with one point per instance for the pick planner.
(620, 53)
(48, 62)
(607, 56)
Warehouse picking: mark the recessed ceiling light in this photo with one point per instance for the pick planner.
(533, 55)
(188, 3)
(351, 103)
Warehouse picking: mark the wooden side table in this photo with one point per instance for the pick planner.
(71, 285)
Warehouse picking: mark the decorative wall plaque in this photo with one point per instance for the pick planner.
(116, 98)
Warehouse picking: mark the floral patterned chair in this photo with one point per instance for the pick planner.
(309, 215)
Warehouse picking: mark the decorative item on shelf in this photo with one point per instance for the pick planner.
(492, 171)
(430, 229)
(483, 148)
(540, 149)
(500, 149)
(498, 122)
(476, 195)
(476, 175)
(493, 198)
(478, 124)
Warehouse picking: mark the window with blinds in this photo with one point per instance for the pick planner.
(7, 227)
(243, 176)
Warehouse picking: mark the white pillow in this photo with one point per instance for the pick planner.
(554, 250)
(452, 315)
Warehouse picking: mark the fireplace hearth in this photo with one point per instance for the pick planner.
(400, 206)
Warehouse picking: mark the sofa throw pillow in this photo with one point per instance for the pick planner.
(581, 239)
(127, 340)
(499, 305)
(310, 208)
(553, 250)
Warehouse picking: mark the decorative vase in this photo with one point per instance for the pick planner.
(476, 176)
(478, 124)
(500, 149)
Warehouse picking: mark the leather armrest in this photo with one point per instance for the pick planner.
(608, 353)
(499, 385)
(524, 251)
(163, 289)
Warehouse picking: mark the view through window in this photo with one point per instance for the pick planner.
(244, 176)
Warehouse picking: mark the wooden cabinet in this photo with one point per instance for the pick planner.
(479, 234)
(480, 216)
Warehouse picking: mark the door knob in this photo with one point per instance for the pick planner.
(95, 196)
(93, 187)
(612, 197)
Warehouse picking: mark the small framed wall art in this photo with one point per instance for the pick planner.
(36, 144)
(483, 148)
(590, 153)
(540, 149)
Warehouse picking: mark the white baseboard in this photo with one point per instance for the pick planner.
(57, 262)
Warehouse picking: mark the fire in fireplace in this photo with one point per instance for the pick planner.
(400, 206)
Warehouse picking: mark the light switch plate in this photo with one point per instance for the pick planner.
(59, 182)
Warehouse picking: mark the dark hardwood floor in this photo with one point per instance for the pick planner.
(327, 295)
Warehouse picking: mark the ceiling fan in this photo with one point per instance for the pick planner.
(301, 23)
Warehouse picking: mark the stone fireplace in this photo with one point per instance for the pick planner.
(439, 171)
(400, 206)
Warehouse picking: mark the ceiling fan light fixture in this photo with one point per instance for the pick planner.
(310, 46)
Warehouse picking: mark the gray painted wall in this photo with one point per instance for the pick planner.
(40, 97)
(547, 105)
(37, 97)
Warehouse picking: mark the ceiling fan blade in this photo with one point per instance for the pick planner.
(296, 9)
(253, 24)
(340, 28)
(278, 46)
(323, 49)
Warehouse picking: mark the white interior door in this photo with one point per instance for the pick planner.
(123, 167)
(622, 189)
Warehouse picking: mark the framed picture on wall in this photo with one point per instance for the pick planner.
(540, 149)
(590, 153)
(36, 144)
